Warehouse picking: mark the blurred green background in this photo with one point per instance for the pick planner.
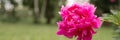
(36, 19)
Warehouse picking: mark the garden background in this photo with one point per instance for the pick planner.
(36, 19)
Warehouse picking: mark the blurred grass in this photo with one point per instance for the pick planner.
(42, 32)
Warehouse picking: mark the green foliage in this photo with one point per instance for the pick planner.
(115, 18)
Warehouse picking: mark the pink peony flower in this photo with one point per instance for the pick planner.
(78, 21)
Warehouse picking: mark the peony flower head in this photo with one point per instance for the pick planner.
(78, 21)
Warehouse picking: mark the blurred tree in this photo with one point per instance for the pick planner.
(48, 6)
(8, 10)
(50, 10)
(36, 11)
(12, 14)
(2, 9)
(34, 5)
